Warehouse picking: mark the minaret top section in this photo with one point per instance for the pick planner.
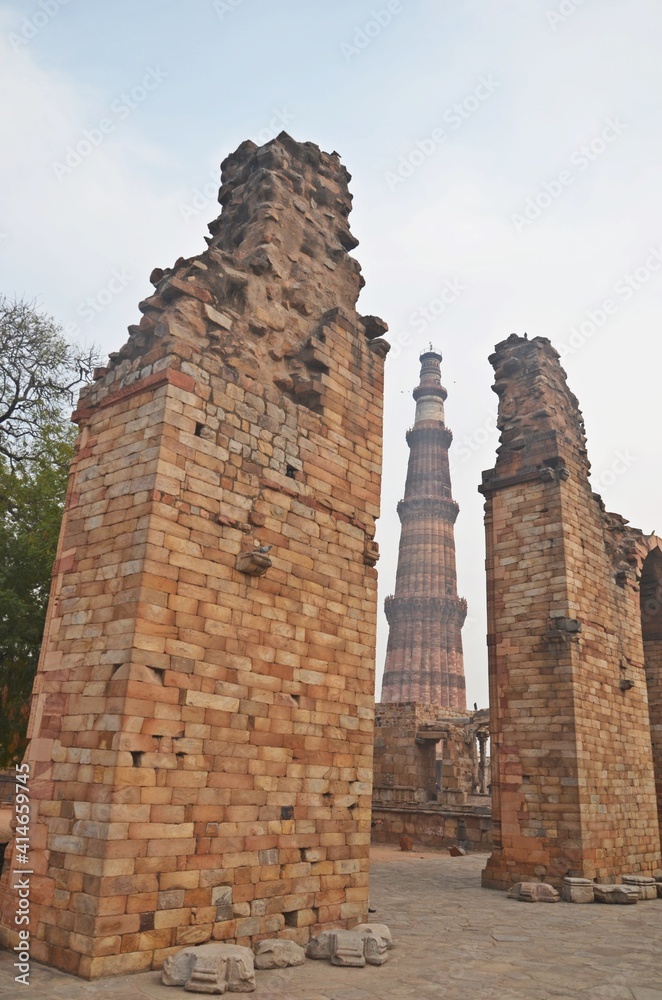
(430, 393)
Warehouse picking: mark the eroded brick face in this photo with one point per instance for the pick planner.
(570, 683)
(202, 720)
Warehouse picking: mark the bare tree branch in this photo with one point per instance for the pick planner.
(40, 372)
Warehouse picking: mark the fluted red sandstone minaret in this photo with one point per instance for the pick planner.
(425, 615)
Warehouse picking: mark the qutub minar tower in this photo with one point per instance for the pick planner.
(425, 615)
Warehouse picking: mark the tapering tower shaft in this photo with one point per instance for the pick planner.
(424, 653)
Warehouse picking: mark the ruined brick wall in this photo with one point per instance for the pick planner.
(202, 719)
(572, 768)
(404, 770)
(406, 796)
(437, 827)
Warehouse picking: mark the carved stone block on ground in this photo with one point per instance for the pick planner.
(646, 885)
(211, 968)
(534, 892)
(366, 943)
(348, 949)
(275, 953)
(616, 894)
(577, 890)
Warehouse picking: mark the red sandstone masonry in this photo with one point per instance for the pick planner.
(572, 764)
(201, 738)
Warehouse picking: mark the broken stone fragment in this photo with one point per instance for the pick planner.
(275, 953)
(577, 890)
(646, 885)
(456, 851)
(321, 946)
(211, 968)
(374, 327)
(219, 318)
(253, 563)
(348, 949)
(616, 893)
(534, 892)
(377, 941)
(366, 943)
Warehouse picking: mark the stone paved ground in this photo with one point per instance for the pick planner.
(454, 940)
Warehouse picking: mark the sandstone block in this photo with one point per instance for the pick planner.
(577, 890)
(534, 892)
(274, 953)
(616, 894)
(211, 968)
(647, 886)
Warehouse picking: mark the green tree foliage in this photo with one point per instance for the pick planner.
(40, 372)
(31, 505)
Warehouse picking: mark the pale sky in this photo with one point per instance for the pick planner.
(505, 157)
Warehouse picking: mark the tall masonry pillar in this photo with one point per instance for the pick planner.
(425, 615)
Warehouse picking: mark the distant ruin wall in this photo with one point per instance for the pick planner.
(427, 776)
(436, 827)
(202, 719)
(570, 686)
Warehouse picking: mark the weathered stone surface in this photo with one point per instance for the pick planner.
(377, 942)
(646, 885)
(575, 645)
(321, 946)
(424, 660)
(616, 894)
(348, 949)
(277, 953)
(217, 719)
(577, 890)
(534, 892)
(365, 943)
(377, 930)
(211, 969)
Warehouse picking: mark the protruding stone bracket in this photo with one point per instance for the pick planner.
(563, 630)
(380, 347)
(371, 552)
(555, 471)
(375, 327)
(253, 563)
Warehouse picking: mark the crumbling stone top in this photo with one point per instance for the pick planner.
(539, 417)
(285, 210)
(276, 271)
